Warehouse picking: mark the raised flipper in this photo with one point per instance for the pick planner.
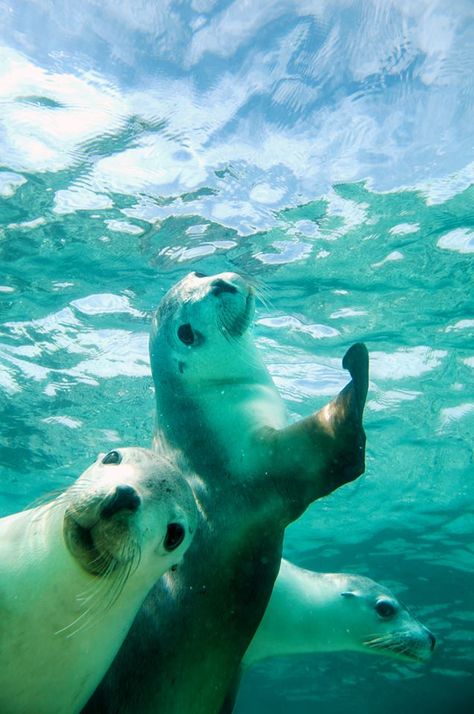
(318, 454)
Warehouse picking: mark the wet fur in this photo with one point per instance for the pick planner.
(64, 618)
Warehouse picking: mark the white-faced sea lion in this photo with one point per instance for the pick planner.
(74, 572)
(330, 612)
(219, 411)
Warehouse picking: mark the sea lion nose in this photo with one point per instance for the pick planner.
(219, 286)
(432, 639)
(124, 498)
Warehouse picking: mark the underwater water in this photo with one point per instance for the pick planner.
(323, 149)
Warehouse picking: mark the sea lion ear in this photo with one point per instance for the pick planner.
(348, 593)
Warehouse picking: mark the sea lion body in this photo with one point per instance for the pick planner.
(74, 572)
(219, 391)
(330, 612)
(219, 412)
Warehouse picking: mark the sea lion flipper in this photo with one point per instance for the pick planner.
(356, 361)
(316, 455)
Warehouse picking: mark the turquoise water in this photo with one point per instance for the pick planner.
(326, 151)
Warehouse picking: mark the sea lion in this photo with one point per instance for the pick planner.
(219, 411)
(74, 572)
(329, 612)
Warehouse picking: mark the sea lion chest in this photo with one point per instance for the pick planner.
(36, 607)
(216, 425)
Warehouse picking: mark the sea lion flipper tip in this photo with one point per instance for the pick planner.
(356, 361)
(356, 358)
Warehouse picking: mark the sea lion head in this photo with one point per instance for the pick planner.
(201, 328)
(130, 509)
(378, 623)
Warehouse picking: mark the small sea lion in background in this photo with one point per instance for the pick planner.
(74, 572)
(329, 612)
(219, 412)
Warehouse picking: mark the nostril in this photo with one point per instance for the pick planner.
(125, 498)
(219, 286)
(432, 640)
(174, 536)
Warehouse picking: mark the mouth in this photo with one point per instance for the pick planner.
(398, 649)
(411, 656)
(400, 652)
(81, 544)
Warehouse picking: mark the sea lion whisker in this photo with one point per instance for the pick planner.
(232, 324)
(400, 646)
(86, 625)
(118, 580)
(386, 635)
(381, 641)
(245, 355)
(119, 572)
(98, 584)
(385, 638)
(399, 643)
(71, 624)
(93, 600)
(90, 593)
(41, 510)
(100, 563)
(256, 285)
(222, 325)
(48, 499)
(378, 638)
(374, 644)
(261, 297)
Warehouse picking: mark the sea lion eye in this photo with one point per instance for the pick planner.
(186, 334)
(113, 457)
(385, 609)
(174, 536)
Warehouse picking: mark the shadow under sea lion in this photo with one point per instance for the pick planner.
(219, 413)
(74, 572)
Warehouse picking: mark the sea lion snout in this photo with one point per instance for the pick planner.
(123, 498)
(228, 283)
(236, 305)
(222, 286)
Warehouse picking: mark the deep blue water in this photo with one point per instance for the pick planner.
(326, 150)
